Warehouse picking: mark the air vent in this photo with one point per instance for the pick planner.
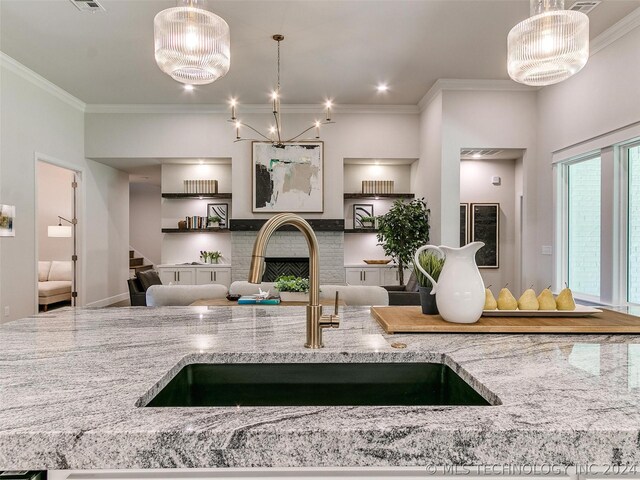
(585, 6)
(88, 5)
(476, 153)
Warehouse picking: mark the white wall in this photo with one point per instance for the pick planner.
(34, 120)
(55, 198)
(355, 135)
(145, 220)
(355, 174)
(173, 176)
(476, 187)
(603, 97)
(427, 171)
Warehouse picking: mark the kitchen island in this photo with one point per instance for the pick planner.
(73, 383)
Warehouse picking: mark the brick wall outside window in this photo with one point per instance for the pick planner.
(634, 225)
(584, 227)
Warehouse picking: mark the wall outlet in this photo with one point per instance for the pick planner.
(6, 311)
(547, 250)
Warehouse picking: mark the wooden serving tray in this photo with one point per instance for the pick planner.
(411, 320)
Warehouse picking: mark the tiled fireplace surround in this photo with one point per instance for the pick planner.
(290, 244)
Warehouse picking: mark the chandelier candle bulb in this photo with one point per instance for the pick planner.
(233, 109)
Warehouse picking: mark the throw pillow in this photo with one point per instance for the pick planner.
(43, 271)
(148, 278)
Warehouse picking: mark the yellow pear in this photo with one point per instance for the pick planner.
(528, 300)
(546, 300)
(489, 300)
(506, 301)
(565, 300)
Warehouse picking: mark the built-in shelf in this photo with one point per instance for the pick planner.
(360, 230)
(197, 195)
(379, 195)
(194, 230)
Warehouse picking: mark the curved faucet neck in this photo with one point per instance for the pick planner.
(262, 240)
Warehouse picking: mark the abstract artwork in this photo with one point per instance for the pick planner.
(219, 210)
(362, 214)
(7, 218)
(288, 178)
(485, 227)
(464, 224)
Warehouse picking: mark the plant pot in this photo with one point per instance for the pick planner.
(294, 297)
(428, 301)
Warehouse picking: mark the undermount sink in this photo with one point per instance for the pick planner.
(316, 384)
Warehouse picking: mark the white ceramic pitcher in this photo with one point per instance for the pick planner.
(460, 289)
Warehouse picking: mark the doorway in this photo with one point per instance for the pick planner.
(493, 178)
(57, 236)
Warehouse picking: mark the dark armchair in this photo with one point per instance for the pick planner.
(404, 294)
(136, 293)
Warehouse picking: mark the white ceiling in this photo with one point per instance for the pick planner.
(339, 49)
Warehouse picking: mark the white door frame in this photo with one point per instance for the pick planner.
(80, 230)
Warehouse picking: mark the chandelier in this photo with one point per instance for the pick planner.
(548, 47)
(191, 43)
(274, 136)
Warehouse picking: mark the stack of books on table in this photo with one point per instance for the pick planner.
(258, 299)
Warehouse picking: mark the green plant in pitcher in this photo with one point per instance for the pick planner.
(432, 264)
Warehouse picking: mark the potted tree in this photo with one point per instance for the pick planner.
(402, 230)
(293, 289)
(432, 264)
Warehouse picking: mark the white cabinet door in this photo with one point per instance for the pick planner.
(168, 275)
(204, 276)
(186, 276)
(217, 276)
(391, 276)
(353, 276)
(371, 276)
(222, 276)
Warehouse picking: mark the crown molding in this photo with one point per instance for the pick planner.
(453, 84)
(246, 109)
(615, 31)
(39, 81)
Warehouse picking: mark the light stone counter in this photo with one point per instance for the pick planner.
(70, 382)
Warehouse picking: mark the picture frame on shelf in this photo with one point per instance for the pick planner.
(219, 210)
(361, 212)
(464, 224)
(289, 178)
(7, 220)
(485, 227)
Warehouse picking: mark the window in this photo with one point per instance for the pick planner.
(583, 228)
(633, 228)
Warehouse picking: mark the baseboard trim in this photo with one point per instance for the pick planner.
(105, 302)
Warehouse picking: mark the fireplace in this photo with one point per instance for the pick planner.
(276, 266)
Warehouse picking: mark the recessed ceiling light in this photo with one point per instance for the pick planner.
(476, 155)
(188, 88)
(382, 87)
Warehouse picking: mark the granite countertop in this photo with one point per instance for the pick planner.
(70, 381)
